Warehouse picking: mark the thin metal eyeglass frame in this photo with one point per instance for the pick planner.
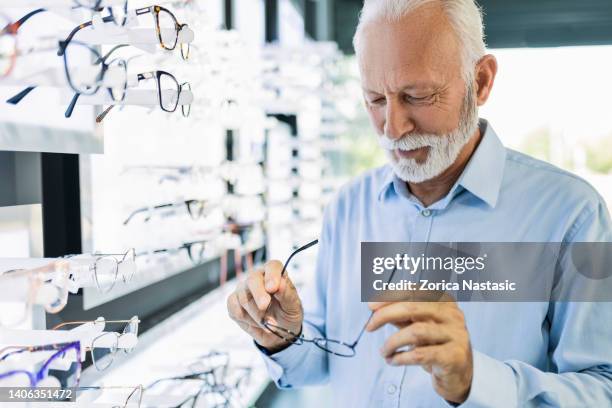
(203, 376)
(188, 203)
(91, 347)
(114, 387)
(298, 338)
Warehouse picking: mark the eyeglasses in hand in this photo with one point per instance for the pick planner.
(332, 346)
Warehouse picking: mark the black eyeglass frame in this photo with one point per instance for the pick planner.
(190, 204)
(298, 338)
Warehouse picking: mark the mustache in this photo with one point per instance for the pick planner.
(411, 141)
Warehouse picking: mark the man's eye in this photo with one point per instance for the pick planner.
(419, 99)
(377, 101)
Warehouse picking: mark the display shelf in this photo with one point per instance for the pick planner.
(199, 328)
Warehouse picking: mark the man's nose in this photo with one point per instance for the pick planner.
(398, 122)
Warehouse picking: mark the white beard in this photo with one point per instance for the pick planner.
(443, 149)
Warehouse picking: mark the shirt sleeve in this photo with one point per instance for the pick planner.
(306, 364)
(580, 350)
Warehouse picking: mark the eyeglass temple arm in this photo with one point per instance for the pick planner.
(57, 326)
(371, 314)
(64, 44)
(105, 57)
(297, 251)
(15, 99)
(100, 118)
(16, 349)
(13, 27)
(71, 105)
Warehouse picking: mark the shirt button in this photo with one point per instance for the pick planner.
(426, 213)
(391, 389)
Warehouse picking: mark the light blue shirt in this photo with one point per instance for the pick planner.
(525, 354)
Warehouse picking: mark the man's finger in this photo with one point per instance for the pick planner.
(377, 305)
(287, 293)
(426, 356)
(272, 275)
(406, 312)
(255, 283)
(237, 312)
(416, 335)
(248, 303)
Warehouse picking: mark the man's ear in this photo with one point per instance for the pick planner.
(486, 70)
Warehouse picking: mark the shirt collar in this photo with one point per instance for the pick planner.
(483, 174)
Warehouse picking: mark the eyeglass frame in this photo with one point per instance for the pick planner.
(187, 203)
(15, 99)
(299, 339)
(105, 66)
(200, 376)
(140, 11)
(157, 76)
(138, 387)
(185, 245)
(43, 372)
(12, 29)
(118, 336)
(93, 268)
(37, 277)
(155, 10)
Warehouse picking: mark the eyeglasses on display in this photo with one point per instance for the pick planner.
(52, 279)
(8, 41)
(196, 251)
(166, 25)
(332, 346)
(87, 79)
(195, 208)
(67, 356)
(107, 268)
(104, 347)
(133, 399)
(168, 92)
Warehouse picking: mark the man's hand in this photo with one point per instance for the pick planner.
(432, 335)
(248, 303)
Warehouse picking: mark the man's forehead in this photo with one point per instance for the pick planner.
(420, 47)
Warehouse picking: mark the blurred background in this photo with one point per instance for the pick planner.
(201, 183)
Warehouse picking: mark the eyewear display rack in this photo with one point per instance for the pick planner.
(39, 173)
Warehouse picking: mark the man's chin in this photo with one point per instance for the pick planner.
(411, 175)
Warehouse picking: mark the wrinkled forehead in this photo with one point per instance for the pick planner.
(419, 47)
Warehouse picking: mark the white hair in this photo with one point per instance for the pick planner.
(464, 15)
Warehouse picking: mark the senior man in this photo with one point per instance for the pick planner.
(425, 72)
